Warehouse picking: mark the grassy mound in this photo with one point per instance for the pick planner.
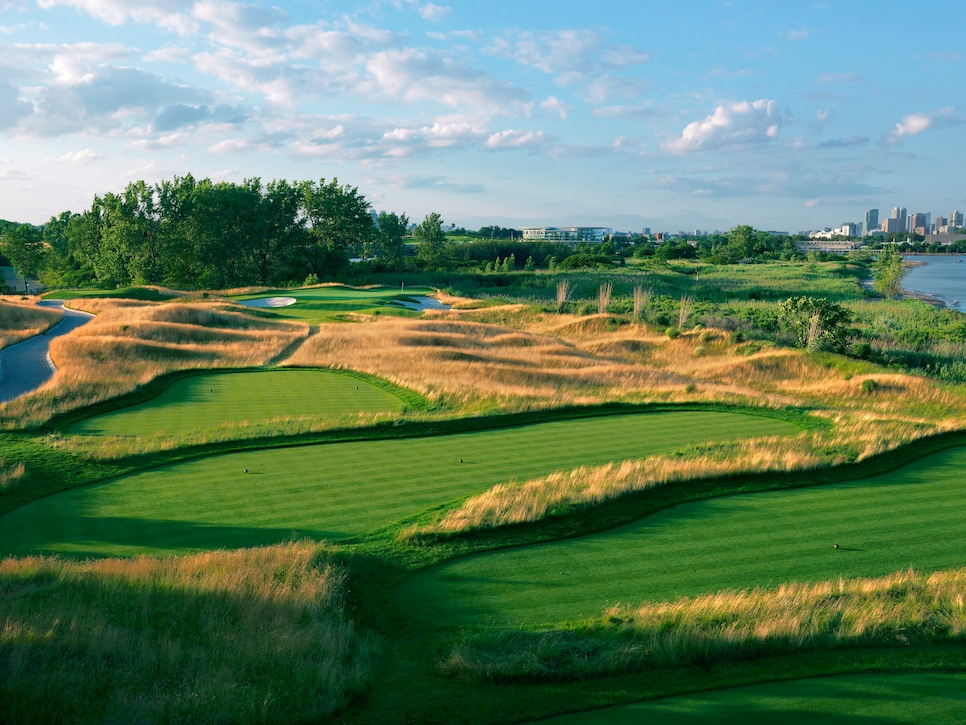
(231, 399)
(19, 321)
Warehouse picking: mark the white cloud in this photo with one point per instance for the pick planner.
(916, 123)
(578, 57)
(513, 139)
(739, 124)
(439, 135)
(432, 12)
(78, 158)
(165, 13)
(556, 106)
(168, 54)
(415, 75)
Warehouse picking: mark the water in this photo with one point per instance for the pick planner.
(942, 277)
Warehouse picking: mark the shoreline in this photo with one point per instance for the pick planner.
(908, 294)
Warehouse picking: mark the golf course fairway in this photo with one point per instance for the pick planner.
(336, 491)
(203, 402)
(914, 517)
(882, 698)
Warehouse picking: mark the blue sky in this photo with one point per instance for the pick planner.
(672, 115)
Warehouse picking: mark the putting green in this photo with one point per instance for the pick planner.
(320, 304)
(911, 517)
(883, 698)
(340, 490)
(225, 399)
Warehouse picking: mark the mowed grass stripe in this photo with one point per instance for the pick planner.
(340, 490)
(912, 517)
(206, 402)
(884, 698)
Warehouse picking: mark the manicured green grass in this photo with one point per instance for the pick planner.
(884, 698)
(911, 517)
(225, 399)
(337, 491)
(324, 304)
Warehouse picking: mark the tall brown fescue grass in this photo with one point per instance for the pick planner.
(514, 358)
(898, 610)
(603, 297)
(641, 299)
(22, 320)
(129, 343)
(453, 359)
(257, 636)
(11, 474)
(564, 290)
(684, 311)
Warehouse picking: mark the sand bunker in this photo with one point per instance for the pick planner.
(269, 302)
(420, 303)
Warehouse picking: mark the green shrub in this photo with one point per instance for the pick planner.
(672, 332)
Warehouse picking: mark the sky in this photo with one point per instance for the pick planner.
(678, 115)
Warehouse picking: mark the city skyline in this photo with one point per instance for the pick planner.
(683, 116)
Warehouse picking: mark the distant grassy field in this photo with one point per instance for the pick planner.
(219, 400)
(912, 517)
(322, 304)
(884, 698)
(338, 491)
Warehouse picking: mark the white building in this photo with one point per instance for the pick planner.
(570, 235)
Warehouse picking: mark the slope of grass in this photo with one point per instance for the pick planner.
(912, 517)
(885, 698)
(339, 490)
(229, 399)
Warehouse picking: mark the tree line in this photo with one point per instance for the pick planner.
(202, 234)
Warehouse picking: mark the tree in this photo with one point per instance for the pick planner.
(390, 231)
(432, 241)
(339, 219)
(23, 245)
(887, 272)
(818, 324)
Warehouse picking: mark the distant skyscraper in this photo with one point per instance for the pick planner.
(918, 223)
(871, 220)
(956, 219)
(902, 222)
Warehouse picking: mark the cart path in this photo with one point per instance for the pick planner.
(26, 366)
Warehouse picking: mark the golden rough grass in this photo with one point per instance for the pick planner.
(10, 474)
(897, 610)
(256, 635)
(453, 357)
(129, 343)
(22, 320)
